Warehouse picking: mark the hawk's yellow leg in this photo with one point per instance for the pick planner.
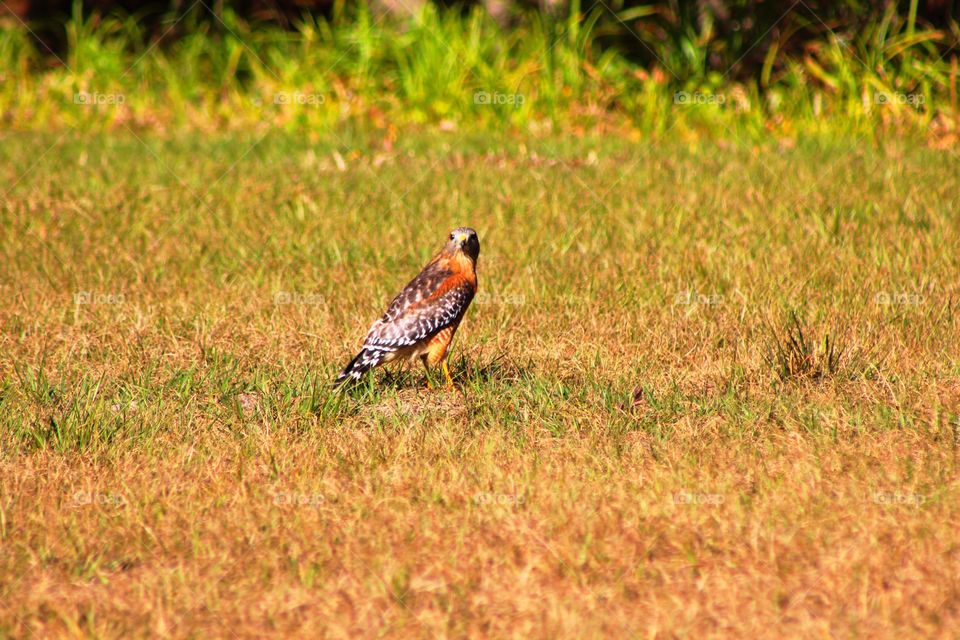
(446, 372)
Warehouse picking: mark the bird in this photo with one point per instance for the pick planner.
(420, 322)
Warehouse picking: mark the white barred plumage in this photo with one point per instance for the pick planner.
(422, 319)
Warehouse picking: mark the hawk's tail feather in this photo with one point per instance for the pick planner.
(367, 359)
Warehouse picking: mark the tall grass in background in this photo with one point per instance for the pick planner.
(459, 69)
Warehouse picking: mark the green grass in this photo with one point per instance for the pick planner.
(377, 76)
(642, 444)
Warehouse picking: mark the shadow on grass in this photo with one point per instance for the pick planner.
(500, 369)
(466, 373)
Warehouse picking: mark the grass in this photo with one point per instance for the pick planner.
(628, 455)
(458, 70)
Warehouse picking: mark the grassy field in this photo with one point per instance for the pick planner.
(705, 390)
(206, 70)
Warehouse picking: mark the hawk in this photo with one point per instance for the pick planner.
(420, 322)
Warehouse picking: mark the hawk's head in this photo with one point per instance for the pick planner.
(465, 240)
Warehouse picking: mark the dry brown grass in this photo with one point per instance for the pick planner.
(624, 460)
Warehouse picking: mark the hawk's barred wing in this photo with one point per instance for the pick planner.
(423, 286)
(425, 315)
